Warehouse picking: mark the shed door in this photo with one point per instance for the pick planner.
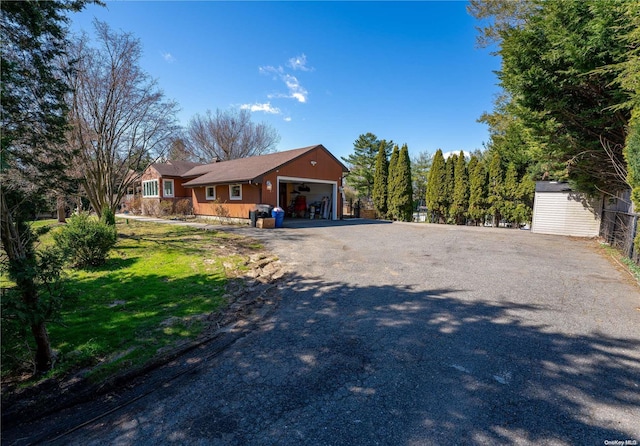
(564, 213)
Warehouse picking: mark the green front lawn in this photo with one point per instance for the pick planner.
(154, 291)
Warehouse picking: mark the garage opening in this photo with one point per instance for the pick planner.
(308, 198)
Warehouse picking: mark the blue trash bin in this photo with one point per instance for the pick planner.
(278, 214)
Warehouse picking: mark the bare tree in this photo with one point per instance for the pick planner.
(229, 135)
(120, 119)
(178, 150)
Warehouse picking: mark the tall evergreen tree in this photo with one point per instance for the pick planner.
(380, 180)
(402, 187)
(436, 189)
(559, 66)
(524, 207)
(33, 157)
(449, 167)
(494, 189)
(477, 191)
(632, 157)
(362, 164)
(510, 194)
(460, 200)
(391, 182)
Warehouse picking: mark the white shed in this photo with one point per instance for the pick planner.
(559, 210)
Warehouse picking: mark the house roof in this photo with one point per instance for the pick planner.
(552, 186)
(174, 168)
(246, 169)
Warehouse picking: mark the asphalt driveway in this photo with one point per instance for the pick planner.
(410, 334)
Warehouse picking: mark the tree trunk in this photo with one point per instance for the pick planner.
(43, 357)
(21, 258)
(61, 205)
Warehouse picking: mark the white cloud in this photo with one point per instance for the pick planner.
(266, 108)
(300, 63)
(269, 69)
(294, 89)
(168, 57)
(446, 155)
(288, 119)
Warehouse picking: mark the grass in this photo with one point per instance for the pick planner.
(155, 288)
(630, 265)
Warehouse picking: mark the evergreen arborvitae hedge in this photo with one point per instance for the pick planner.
(460, 198)
(494, 189)
(436, 189)
(632, 157)
(477, 191)
(380, 180)
(403, 195)
(393, 167)
(449, 168)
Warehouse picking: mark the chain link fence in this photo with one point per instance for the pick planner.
(619, 230)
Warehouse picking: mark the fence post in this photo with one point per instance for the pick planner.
(634, 228)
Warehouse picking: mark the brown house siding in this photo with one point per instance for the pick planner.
(223, 204)
(150, 205)
(326, 168)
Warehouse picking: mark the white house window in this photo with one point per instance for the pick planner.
(235, 191)
(210, 192)
(150, 188)
(167, 188)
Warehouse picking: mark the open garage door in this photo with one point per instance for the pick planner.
(308, 198)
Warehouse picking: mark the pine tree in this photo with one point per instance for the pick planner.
(362, 164)
(380, 179)
(391, 183)
(477, 190)
(403, 195)
(436, 188)
(494, 189)
(460, 200)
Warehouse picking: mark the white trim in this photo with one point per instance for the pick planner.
(164, 190)
(144, 190)
(231, 197)
(334, 192)
(206, 194)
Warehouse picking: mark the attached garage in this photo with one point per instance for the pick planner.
(305, 182)
(558, 210)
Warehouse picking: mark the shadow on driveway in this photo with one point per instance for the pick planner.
(345, 364)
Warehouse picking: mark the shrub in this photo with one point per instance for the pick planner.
(86, 240)
(108, 217)
(16, 315)
(183, 207)
(134, 205)
(150, 207)
(166, 208)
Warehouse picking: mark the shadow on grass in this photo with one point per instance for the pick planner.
(112, 264)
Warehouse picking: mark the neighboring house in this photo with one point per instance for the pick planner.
(163, 183)
(295, 180)
(558, 210)
(304, 182)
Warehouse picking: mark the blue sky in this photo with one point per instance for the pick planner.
(320, 72)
